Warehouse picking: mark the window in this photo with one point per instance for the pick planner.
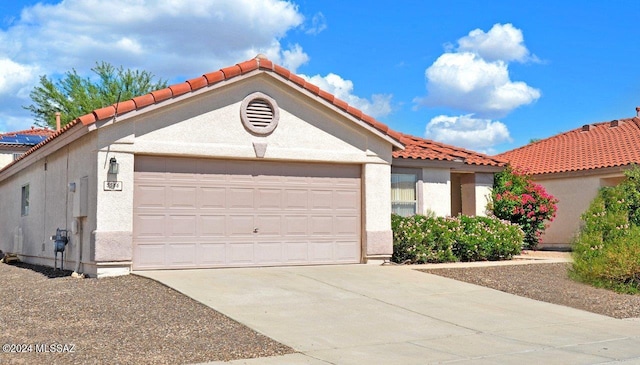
(25, 200)
(404, 200)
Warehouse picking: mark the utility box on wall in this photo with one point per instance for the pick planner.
(81, 198)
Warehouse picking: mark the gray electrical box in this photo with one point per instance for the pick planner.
(81, 199)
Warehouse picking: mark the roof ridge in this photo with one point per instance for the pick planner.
(445, 151)
(260, 62)
(603, 144)
(578, 129)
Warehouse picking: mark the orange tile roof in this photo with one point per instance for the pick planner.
(260, 62)
(31, 132)
(417, 148)
(607, 144)
(424, 149)
(227, 73)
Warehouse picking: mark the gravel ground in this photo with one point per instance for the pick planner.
(122, 320)
(549, 283)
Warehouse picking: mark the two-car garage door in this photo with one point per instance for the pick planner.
(192, 213)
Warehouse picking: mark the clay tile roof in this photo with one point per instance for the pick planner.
(260, 63)
(607, 144)
(424, 149)
(25, 138)
(31, 132)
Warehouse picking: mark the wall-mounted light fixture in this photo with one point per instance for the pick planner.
(113, 166)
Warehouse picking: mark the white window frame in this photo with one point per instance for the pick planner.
(416, 175)
(24, 200)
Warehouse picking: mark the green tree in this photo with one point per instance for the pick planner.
(74, 96)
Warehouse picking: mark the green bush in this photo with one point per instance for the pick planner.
(484, 238)
(606, 253)
(420, 239)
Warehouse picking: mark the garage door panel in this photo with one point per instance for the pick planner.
(212, 213)
(182, 197)
(212, 226)
(240, 198)
(268, 199)
(296, 252)
(296, 199)
(268, 225)
(181, 255)
(241, 253)
(296, 225)
(269, 252)
(321, 225)
(149, 196)
(321, 251)
(181, 226)
(212, 198)
(240, 225)
(346, 200)
(212, 254)
(321, 199)
(149, 255)
(346, 225)
(149, 226)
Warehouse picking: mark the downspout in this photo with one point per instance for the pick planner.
(78, 233)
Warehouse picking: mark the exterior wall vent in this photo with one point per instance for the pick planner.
(259, 113)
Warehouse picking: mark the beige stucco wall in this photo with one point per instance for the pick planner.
(51, 204)
(6, 157)
(436, 191)
(203, 125)
(574, 195)
(208, 125)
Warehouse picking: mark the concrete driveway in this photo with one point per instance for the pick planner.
(362, 314)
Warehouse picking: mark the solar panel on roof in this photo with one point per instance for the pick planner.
(22, 139)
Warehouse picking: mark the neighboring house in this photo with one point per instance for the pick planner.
(574, 165)
(429, 176)
(14, 144)
(246, 166)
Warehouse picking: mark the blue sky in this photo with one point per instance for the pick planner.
(487, 76)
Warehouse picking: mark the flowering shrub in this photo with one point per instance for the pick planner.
(607, 250)
(420, 239)
(519, 200)
(483, 238)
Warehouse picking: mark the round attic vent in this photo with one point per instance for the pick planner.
(259, 113)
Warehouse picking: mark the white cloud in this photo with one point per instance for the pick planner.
(318, 24)
(503, 42)
(172, 39)
(14, 76)
(378, 106)
(468, 132)
(474, 78)
(465, 81)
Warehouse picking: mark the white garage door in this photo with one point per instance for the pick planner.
(192, 213)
